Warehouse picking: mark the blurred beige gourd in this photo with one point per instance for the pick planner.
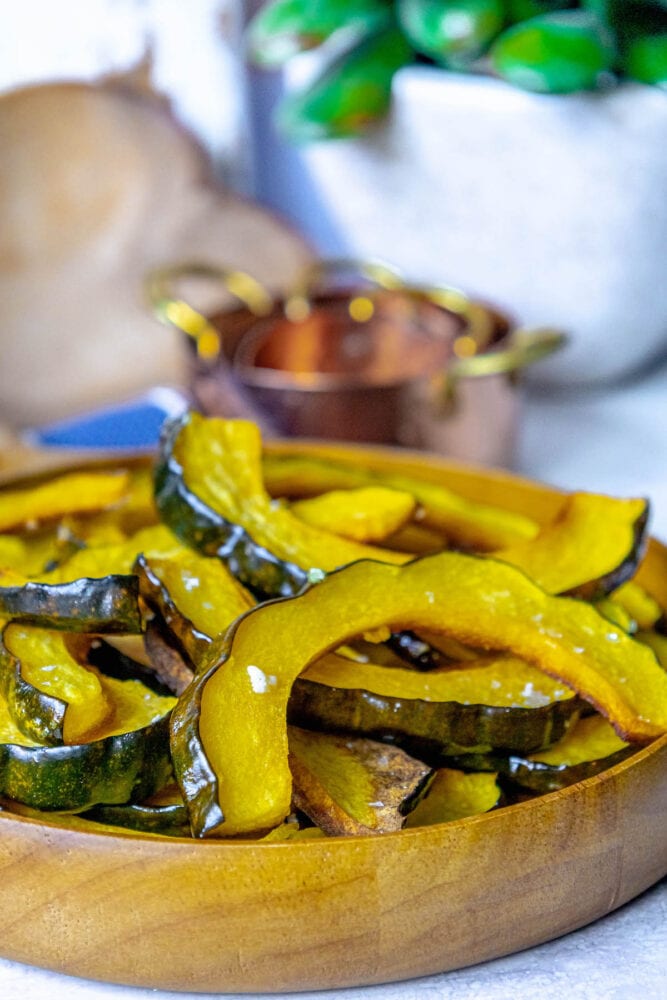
(98, 184)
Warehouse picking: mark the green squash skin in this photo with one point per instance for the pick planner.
(197, 779)
(169, 820)
(39, 716)
(537, 776)
(196, 524)
(126, 767)
(108, 605)
(429, 730)
(180, 631)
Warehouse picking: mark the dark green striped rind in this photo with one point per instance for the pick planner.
(198, 525)
(123, 768)
(167, 820)
(535, 775)
(107, 605)
(430, 729)
(37, 715)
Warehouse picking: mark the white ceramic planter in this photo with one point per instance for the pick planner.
(553, 207)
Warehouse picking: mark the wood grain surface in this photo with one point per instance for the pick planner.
(249, 917)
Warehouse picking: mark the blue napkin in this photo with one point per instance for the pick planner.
(131, 425)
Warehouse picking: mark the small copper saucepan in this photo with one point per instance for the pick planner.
(354, 353)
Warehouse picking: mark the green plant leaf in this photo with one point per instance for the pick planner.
(521, 10)
(283, 28)
(629, 18)
(452, 32)
(354, 90)
(555, 53)
(646, 60)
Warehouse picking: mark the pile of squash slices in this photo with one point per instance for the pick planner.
(225, 643)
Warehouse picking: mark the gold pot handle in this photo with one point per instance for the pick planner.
(479, 321)
(160, 289)
(324, 271)
(524, 348)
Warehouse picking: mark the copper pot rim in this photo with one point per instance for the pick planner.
(248, 368)
(510, 350)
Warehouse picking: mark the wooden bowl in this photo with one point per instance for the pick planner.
(251, 917)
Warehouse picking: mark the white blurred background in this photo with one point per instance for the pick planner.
(610, 436)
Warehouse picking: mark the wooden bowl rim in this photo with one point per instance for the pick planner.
(325, 844)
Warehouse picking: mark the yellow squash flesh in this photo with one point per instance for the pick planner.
(487, 604)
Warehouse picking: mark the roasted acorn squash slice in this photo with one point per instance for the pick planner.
(364, 514)
(164, 813)
(495, 702)
(229, 738)
(209, 490)
(466, 523)
(87, 604)
(351, 785)
(71, 493)
(128, 762)
(195, 597)
(590, 746)
(591, 548)
(52, 698)
(92, 591)
(455, 794)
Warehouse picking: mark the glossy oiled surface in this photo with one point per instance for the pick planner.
(221, 916)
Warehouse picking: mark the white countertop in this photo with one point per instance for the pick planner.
(610, 440)
(614, 441)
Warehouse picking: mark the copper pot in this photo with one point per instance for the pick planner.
(354, 353)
